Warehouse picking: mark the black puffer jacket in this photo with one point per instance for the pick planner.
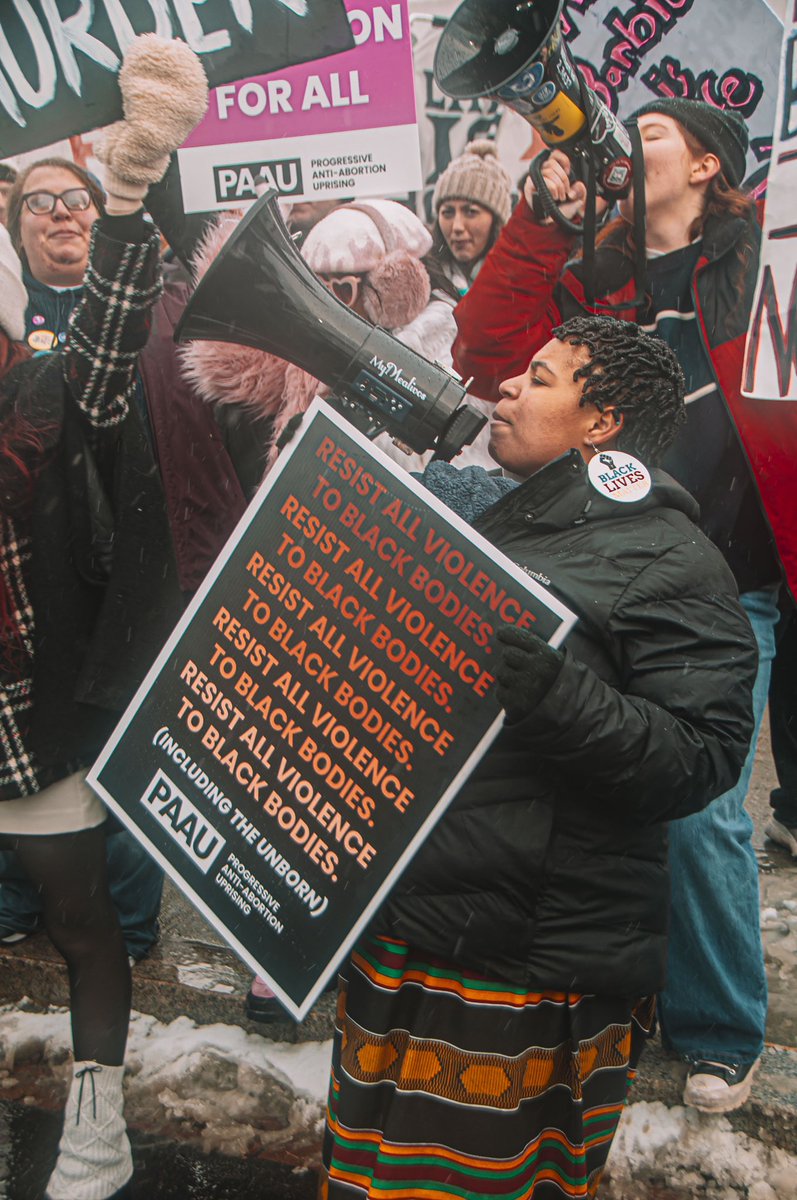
(550, 867)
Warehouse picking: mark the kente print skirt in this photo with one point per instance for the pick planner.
(445, 1084)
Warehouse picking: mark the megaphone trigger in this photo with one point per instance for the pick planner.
(558, 194)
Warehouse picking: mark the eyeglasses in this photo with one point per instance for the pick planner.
(73, 199)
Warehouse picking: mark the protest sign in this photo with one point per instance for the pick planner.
(770, 370)
(726, 54)
(323, 699)
(334, 130)
(58, 61)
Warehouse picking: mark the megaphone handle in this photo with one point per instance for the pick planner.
(544, 205)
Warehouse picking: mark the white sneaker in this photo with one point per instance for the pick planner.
(714, 1087)
(780, 833)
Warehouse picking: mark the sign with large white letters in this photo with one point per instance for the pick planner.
(770, 371)
(59, 58)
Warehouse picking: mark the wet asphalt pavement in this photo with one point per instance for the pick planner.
(164, 1170)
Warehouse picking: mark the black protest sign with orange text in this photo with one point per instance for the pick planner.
(328, 691)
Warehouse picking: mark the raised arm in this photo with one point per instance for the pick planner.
(111, 324)
(183, 231)
(511, 309)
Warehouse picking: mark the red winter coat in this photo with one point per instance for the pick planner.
(527, 286)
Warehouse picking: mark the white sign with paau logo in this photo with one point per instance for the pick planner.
(341, 127)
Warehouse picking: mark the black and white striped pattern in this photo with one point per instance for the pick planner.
(109, 327)
(17, 769)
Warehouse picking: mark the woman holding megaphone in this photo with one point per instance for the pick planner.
(493, 1013)
(732, 454)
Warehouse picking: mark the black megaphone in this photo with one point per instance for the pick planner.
(516, 53)
(260, 292)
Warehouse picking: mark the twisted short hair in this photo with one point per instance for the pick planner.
(636, 374)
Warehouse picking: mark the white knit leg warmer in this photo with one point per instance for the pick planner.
(94, 1158)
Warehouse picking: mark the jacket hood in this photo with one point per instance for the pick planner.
(616, 267)
(397, 298)
(558, 496)
(561, 495)
(13, 297)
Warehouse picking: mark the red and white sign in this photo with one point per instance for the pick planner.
(770, 370)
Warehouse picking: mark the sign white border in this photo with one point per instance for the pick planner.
(395, 148)
(567, 621)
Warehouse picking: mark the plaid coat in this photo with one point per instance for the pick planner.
(72, 442)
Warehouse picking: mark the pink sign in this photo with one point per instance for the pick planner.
(369, 86)
(341, 127)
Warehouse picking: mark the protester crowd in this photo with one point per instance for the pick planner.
(597, 868)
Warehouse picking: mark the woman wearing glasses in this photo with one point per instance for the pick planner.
(90, 584)
(50, 214)
(62, 421)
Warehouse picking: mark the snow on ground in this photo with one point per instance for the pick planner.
(234, 1091)
(697, 1156)
(239, 1093)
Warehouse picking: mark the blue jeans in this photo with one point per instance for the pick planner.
(135, 882)
(714, 1005)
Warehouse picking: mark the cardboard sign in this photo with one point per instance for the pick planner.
(726, 54)
(58, 60)
(321, 702)
(333, 130)
(770, 370)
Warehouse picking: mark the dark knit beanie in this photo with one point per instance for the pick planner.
(722, 133)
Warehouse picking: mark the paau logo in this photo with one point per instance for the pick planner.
(183, 821)
(239, 181)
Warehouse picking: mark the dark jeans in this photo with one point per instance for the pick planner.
(783, 720)
(135, 882)
(714, 1005)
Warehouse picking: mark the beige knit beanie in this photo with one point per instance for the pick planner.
(476, 175)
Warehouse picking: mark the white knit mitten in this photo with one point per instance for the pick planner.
(164, 96)
(94, 1159)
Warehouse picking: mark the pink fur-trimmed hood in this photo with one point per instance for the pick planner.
(224, 372)
(396, 293)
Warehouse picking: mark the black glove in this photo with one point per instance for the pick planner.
(528, 669)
